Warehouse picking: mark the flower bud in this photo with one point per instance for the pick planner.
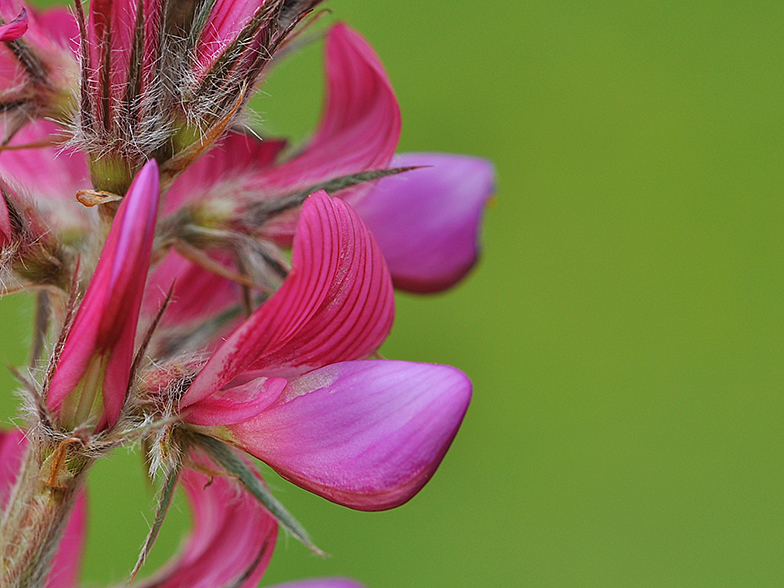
(90, 381)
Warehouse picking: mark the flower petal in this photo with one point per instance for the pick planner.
(359, 129)
(197, 293)
(59, 23)
(364, 434)
(215, 174)
(51, 176)
(238, 403)
(427, 220)
(105, 324)
(66, 562)
(232, 535)
(337, 304)
(14, 29)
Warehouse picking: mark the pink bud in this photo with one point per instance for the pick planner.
(91, 378)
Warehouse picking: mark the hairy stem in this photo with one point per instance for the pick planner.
(38, 510)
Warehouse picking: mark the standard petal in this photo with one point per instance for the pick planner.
(364, 434)
(232, 538)
(359, 129)
(427, 221)
(337, 304)
(66, 562)
(105, 324)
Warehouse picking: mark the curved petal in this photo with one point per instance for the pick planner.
(14, 29)
(66, 562)
(232, 536)
(104, 328)
(359, 129)
(238, 403)
(364, 434)
(337, 304)
(427, 220)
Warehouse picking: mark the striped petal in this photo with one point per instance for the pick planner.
(359, 129)
(337, 304)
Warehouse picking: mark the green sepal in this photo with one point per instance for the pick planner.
(260, 212)
(164, 502)
(224, 455)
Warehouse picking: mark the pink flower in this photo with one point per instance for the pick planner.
(91, 378)
(230, 543)
(285, 387)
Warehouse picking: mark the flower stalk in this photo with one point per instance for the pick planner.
(46, 492)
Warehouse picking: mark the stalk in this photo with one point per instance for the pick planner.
(38, 511)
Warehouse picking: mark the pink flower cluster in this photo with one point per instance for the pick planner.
(155, 229)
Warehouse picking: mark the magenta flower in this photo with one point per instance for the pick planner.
(197, 333)
(91, 378)
(427, 220)
(231, 540)
(365, 434)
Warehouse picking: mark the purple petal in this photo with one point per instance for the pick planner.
(427, 220)
(365, 434)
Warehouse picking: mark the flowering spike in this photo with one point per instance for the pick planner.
(427, 220)
(91, 378)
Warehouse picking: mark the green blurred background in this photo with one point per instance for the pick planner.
(623, 330)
